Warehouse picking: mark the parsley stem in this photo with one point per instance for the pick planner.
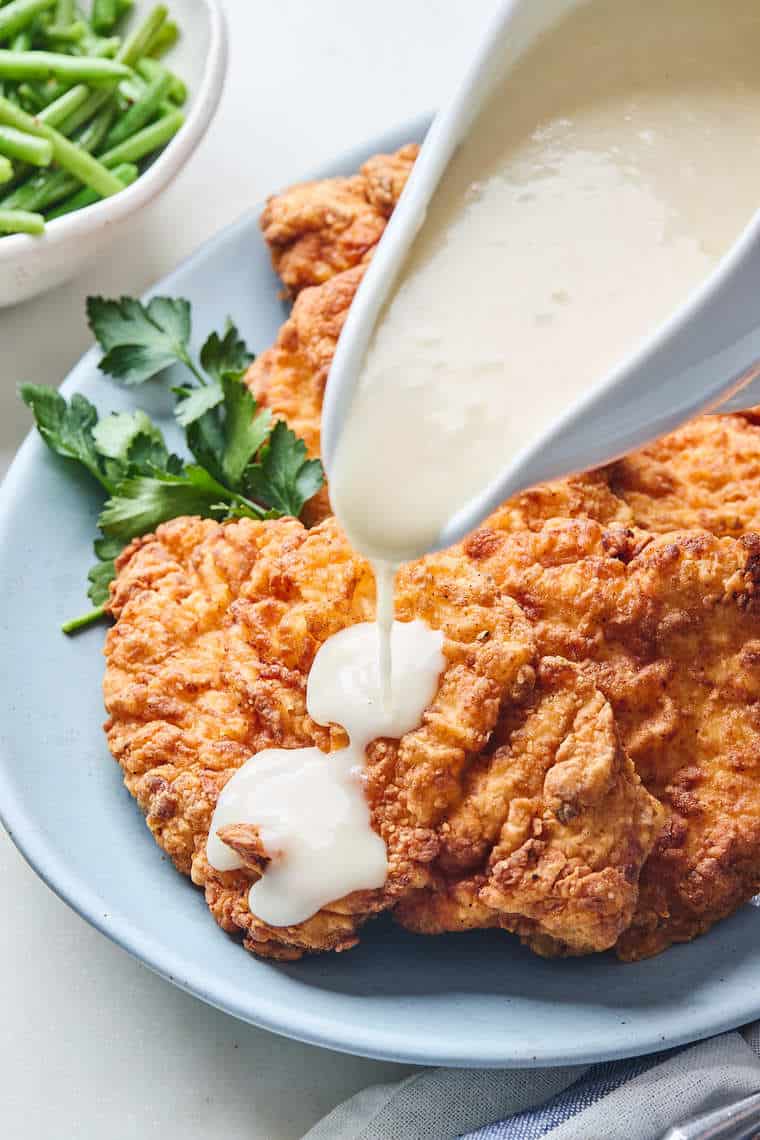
(187, 360)
(85, 620)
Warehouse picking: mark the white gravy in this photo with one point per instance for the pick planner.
(598, 187)
(309, 806)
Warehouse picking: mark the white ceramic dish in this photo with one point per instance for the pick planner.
(31, 265)
(704, 353)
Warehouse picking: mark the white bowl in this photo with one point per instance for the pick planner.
(31, 265)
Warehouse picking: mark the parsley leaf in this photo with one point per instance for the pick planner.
(244, 466)
(140, 340)
(245, 429)
(66, 428)
(195, 402)
(142, 503)
(284, 478)
(100, 577)
(228, 353)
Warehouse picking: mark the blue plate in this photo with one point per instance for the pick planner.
(476, 999)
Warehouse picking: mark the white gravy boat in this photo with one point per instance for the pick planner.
(703, 356)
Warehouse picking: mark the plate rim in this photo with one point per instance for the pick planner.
(362, 1037)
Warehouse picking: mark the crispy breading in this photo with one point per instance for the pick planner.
(668, 629)
(317, 229)
(290, 377)
(706, 474)
(217, 627)
(552, 829)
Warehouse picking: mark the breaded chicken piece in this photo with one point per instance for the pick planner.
(290, 377)
(706, 474)
(552, 829)
(318, 229)
(668, 629)
(217, 628)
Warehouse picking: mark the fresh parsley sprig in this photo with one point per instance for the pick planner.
(244, 465)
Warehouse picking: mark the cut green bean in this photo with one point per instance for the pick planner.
(127, 173)
(21, 222)
(141, 112)
(6, 170)
(69, 156)
(92, 104)
(25, 147)
(30, 98)
(135, 45)
(164, 40)
(16, 15)
(42, 64)
(149, 69)
(100, 47)
(105, 13)
(133, 90)
(145, 142)
(65, 105)
(72, 33)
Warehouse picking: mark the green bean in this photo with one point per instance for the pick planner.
(92, 104)
(69, 156)
(65, 105)
(105, 13)
(150, 68)
(141, 112)
(127, 173)
(22, 41)
(21, 222)
(64, 12)
(107, 48)
(6, 170)
(16, 15)
(24, 147)
(164, 39)
(30, 98)
(134, 47)
(72, 33)
(145, 142)
(76, 69)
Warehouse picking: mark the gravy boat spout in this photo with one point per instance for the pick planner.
(702, 355)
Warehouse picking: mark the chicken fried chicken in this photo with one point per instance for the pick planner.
(551, 830)
(668, 629)
(217, 627)
(706, 474)
(318, 229)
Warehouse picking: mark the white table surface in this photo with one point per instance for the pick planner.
(92, 1045)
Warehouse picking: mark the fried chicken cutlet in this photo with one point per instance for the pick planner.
(217, 627)
(668, 629)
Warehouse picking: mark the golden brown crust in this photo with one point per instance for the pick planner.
(318, 229)
(706, 474)
(207, 664)
(670, 634)
(552, 829)
(290, 377)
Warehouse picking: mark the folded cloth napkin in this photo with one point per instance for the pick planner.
(620, 1100)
